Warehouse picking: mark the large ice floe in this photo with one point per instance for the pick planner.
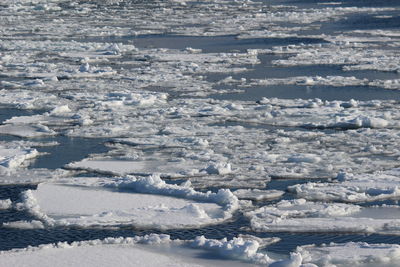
(140, 202)
(351, 254)
(353, 188)
(150, 250)
(299, 215)
(155, 250)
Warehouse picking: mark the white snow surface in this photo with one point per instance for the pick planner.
(13, 157)
(298, 215)
(145, 202)
(353, 188)
(351, 254)
(149, 250)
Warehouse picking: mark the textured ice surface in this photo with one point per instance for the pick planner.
(149, 250)
(351, 254)
(145, 202)
(5, 204)
(353, 188)
(12, 157)
(90, 70)
(257, 194)
(301, 216)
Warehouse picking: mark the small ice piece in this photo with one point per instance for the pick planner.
(238, 248)
(351, 254)
(220, 168)
(60, 110)
(258, 194)
(12, 158)
(300, 215)
(34, 224)
(5, 204)
(84, 67)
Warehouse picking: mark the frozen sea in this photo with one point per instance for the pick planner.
(199, 133)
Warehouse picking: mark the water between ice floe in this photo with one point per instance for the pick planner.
(20, 238)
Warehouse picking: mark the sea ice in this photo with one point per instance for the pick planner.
(154, 205)
(351, 254)
(149, 250)
(353, 188)
(11, 158)
(300, 215)
(5, 204)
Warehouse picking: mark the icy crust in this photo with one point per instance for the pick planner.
(300, 215)
(353, 188)
(144, 202)
(351, 254)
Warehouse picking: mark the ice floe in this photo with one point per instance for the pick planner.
(352, 253)
(257, 194)
(145, 202)
(12, 158)
(300, 215)
(353, 188)
(5, 204)
(150, 250)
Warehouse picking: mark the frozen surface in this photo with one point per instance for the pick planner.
(351, 254)
(301, 216)
(69, 204)
(353, 188)
(149, 77)
(149, 250)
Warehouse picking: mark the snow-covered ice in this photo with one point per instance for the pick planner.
(147, 77)
(353, 188)
(351, 254)
(144, 202)
(299, 215)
